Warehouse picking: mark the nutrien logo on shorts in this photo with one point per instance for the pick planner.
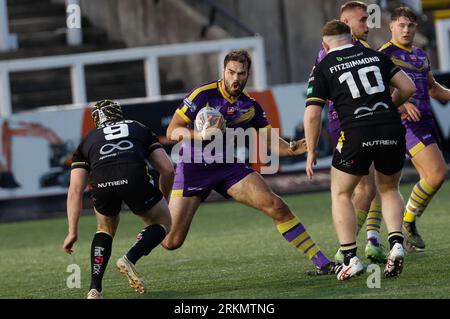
(379, 142)
(113, 183)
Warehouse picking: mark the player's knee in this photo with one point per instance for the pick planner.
(387, 187)
(366, 191)
(437, 178)
(171, 243)
(165, 221)
(106, 229)
(389, 192)
(277, 208)
(341, 194)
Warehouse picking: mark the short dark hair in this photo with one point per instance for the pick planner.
(350, 5)
(335, 27)
(241, 56)
(403, 12)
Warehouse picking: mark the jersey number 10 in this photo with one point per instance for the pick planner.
(362, 73)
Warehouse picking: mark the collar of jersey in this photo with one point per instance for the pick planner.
(342, 47)
(401, 46)
(363, 42)
(225, 95)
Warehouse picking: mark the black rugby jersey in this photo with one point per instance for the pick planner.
(357, 80)
(124, 141)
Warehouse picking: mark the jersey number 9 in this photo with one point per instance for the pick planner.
(116, 131)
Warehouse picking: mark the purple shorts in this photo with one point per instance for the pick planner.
(200, 179)
(419, 135)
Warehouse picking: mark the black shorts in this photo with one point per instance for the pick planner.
(358, 148)
(129, 183)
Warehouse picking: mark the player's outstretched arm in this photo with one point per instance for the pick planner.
(78, 182)
(162, 163)
(312, 124)
(405, 88)
(436, 90)
(292, 148)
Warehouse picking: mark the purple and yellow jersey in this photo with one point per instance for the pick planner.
(240, 112)
(415, 63)
(332, 114)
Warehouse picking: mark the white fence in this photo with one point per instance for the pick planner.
(443, 41)
(150, 56)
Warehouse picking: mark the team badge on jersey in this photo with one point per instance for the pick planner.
(231, 110)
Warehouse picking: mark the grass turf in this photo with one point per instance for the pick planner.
(231, 252)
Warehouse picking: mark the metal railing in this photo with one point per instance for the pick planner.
(150, 56)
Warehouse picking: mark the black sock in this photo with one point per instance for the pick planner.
(100, 253)
(147, 239)
(349, 251)
(395, 237)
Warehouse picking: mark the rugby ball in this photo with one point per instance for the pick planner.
(209, 116)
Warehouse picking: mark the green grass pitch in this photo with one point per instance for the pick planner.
(231, 252)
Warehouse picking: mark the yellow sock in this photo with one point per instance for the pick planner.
(374, 217)
(295, 233)
(420, 197)
(361, 216)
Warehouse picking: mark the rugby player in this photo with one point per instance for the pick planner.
(358, 80)
(194, 181)
(113, 158)
(367, 204)
(422, 140)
